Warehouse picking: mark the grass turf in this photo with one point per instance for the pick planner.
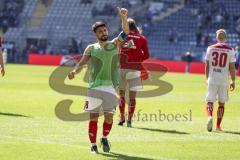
(29, 129)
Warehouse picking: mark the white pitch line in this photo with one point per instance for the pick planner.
(78, 146)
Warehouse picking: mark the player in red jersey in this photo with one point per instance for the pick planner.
(220, 60)
(133, 52)
(1, 58)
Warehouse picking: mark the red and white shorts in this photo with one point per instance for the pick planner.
(101, 99)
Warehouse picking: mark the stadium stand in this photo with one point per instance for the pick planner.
(173, 36)
(9, 13)
(172, 27)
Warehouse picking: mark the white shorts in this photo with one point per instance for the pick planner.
(101, 99)
(217, 92)
(132, 78)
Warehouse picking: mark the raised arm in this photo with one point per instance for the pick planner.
(123, 13)
(123, 35)
(84, 60)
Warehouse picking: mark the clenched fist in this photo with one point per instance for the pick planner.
(232, 86)
(71, 75)
(122, 12)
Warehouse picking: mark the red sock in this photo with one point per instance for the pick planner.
(220, 114)
(209, 108)
(92, 131)
(122, 108)
(131, 108)
(106, 128)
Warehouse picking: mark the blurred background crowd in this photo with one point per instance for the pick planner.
(174, 28)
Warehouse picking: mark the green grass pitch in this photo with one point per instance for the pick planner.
(29, 129)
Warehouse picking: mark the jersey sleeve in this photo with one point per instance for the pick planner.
(232, 56)
(207, 57)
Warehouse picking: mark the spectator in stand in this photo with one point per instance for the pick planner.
(173, 35)
(219, 20)
(74, 46)
(49, 48)
(143, 1)
(33, 49)
(200, 19)
(208, 20)
(149, 16)
(237, 55)
(146, 29)
(215, 8)
(210, 1)
(238, 26)
(85, 2)
(12, 53)
(10, 14)
(95, 11)
(109, 9)
(188, 58)
(125, 4)
(198, 37)
(206, 39)
(187, 2)
(2, 70)
(80, 47)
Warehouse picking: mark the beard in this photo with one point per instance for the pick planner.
(104, 38)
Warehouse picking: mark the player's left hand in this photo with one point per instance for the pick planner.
(232, 86)
(122, 12)
(2, 71)
(71, 75)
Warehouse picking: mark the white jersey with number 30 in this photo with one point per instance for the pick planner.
(219, 56)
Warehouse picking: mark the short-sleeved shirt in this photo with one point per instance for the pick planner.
(220, 56)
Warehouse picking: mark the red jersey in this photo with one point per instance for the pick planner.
(133, 49)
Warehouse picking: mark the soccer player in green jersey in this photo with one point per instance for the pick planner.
(103, 69)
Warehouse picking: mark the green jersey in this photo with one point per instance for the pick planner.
(103, 67)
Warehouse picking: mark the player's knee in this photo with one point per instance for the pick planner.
(94, 117)
(221, 104)
(122, 93)
(132, 95)
(108, 118)
(210, 104)
(94, 120)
